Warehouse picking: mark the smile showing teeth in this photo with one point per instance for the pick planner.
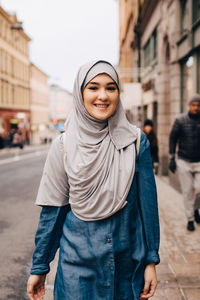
(101, 105)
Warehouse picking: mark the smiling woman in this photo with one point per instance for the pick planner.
(99, 201)
(100, 97)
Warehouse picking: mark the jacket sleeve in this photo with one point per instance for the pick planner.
(173, 138)
(148, 201)
(47, 239)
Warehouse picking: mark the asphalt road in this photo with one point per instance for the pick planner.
(19, 180)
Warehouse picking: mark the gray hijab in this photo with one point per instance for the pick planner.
(99, 156)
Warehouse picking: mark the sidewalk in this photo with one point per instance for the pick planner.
(179, 270)
(9, 152)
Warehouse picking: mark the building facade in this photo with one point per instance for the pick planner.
(14, 77)
(128, 15)
(169, 71)
(40, 131)
(127, 66)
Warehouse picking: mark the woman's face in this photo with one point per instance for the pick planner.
(101, 96)
(148, 129)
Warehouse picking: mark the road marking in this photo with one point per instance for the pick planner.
(16, 158)
(21, 157)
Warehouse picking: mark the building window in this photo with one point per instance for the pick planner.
(1, 91)
(196, 10)
(147, 54)
(154, 44)
(150, 49)
(184, 15)
(198, 72)
(186, 82)
(1, 27)
(1, 60)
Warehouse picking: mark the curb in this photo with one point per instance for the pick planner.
(9, 152)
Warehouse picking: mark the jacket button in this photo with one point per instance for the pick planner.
(110, 265)
(109, 240)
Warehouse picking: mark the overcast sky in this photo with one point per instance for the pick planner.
(67, 33)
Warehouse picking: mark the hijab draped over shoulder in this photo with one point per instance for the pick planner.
(99, 155)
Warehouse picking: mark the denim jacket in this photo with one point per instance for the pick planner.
(56, 226)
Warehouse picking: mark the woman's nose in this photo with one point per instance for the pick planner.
(102, 94)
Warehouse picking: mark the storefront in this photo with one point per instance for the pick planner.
(12, 120)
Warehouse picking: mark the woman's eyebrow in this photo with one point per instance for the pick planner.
(96, 83)
(93, 82)
(111, 83)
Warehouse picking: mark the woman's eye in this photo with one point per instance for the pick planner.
(93, 88)
(112, 88)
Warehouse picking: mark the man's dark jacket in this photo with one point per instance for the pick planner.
(186, 133)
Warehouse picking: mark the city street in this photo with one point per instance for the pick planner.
(85, 68)
(178, 273)
(19, 179)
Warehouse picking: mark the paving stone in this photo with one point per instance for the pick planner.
(192, 294)
(167, 294)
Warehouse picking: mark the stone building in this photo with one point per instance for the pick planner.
(128, 15)
(168, 40)
(39, 105)
(14, 76)
(127, 66)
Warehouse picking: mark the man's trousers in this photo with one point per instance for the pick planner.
(189, 178)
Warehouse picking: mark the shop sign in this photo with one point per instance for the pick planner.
(14, 121)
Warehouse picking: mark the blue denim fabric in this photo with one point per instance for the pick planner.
(103, 260)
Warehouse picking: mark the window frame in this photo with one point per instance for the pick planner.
(195, 11)
(150, 49)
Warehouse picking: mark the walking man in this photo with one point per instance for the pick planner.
(186, 134)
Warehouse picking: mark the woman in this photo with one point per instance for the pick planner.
(149, 131)
(99, 201)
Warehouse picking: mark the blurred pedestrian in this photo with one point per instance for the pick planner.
(103, 218)
(17, 140)
(151, 135)
(1, 142)
(186, 134)
(9, 138)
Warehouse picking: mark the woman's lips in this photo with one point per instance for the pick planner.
(102, 106)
